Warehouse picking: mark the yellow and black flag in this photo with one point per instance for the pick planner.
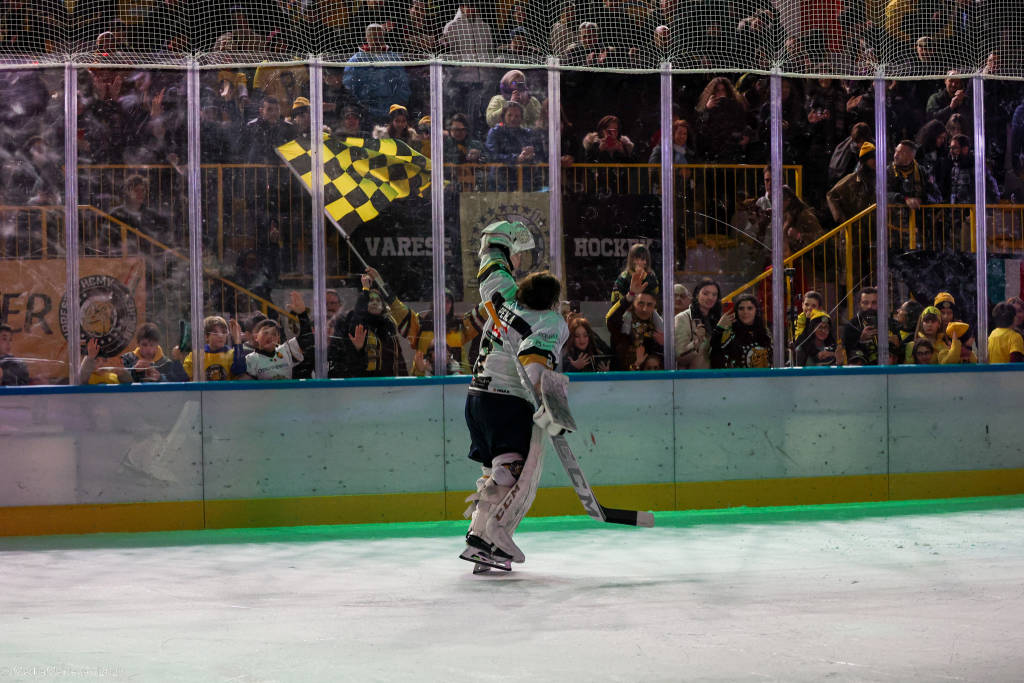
(361, 176)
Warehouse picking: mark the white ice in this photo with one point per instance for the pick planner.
(918, 597)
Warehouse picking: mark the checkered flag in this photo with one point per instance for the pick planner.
(361, 176)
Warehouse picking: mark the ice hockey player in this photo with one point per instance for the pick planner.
(507, 434)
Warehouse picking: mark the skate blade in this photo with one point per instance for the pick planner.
(481, 568)
(478, 557)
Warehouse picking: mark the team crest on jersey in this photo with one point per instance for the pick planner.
(216, 373)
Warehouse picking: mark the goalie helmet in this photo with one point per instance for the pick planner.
(514, 236)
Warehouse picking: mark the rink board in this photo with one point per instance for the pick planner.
(87, 459)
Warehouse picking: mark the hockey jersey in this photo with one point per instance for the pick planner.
(223, 364)
(520, 335)
(277, 365)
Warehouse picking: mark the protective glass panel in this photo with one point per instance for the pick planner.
(828, 215)
(133, 227)
(611, 207)
(496, 170)
(1004, 154)
(255, 226)
(378, 240)
(930, 187)
(33, 346)
(723, 217)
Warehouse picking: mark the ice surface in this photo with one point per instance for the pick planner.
(925, 593)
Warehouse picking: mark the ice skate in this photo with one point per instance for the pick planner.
(480, 557)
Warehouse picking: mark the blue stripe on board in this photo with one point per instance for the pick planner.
(358, 382)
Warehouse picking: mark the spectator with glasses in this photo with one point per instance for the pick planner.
(459, 146)
(922, 353)
(816, 345)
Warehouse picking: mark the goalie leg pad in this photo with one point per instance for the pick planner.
(509, 512)
(474, 498)
(491, 488)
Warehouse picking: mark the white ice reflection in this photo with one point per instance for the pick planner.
(884, 598)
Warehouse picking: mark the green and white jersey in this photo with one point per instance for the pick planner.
(520, 335)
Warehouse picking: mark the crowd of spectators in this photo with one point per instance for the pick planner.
(136, 117)
(905, 35)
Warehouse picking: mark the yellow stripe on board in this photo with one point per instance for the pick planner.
(38, 520)
(712, 495)
(418, 507)
(368, 509)
(963, 484)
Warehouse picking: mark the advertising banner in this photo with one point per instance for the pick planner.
(33, 302)
(477, 210)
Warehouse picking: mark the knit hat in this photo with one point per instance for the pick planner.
(931, 310)
(955, 329)
(866, 149)
(299, 104)
(397, 109)
(944, 298)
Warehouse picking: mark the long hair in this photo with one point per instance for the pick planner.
(608, 120)
(758, 324)
(929, 134)
(575, 324)
(716, 311)
(709, 91)
(638, 250)
(804, 340)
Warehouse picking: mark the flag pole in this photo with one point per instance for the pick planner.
(341, 231)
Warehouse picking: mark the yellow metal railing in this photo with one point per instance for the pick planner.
(98, 239)
(843, 255)
(38, 234)
(843, 259)
(240, 201)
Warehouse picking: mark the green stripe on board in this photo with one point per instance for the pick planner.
(550, 502)
(455, 529)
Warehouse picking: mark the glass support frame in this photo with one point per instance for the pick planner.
(71, 285)
(668, 248)
(437, 211)
(555, 229)
(318, 229)
(881, 222)
(195, 221)
(980, 219)
(779, 302)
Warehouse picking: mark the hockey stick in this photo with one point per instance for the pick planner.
(579, 481)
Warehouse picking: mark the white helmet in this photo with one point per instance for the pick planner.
(514, 236)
